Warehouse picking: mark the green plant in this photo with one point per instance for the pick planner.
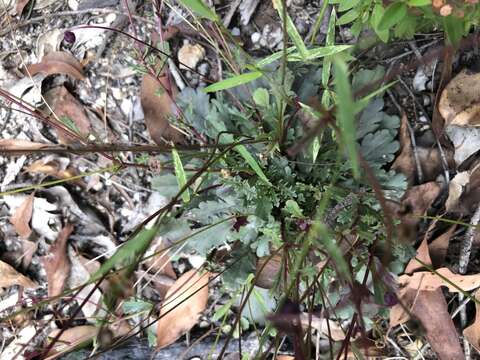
(403, 19)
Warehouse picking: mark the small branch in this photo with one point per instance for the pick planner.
(114, 148)
(465, 252)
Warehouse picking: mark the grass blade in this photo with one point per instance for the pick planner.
(291, 30)
(180, 175)
(242, 150)
(198, 7)
(129, 254)
(346, 113)
(233, 81)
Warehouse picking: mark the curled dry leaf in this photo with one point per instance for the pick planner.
(267, 271)
(182, 306)
(20, 145)
(460, 100)
(158, 106)
(57, 263)
(70, 111)
(22, 216)
(51, 168)
(71, 338)
(58, 62)
(189, 55)
(9, 277)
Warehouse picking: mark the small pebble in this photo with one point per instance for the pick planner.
(426, 100)
(69, 37)
(255, 37)
(236, 31)
(203, 68)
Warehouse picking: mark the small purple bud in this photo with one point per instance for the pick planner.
(390, 299)
(303, 224)
(239, 222)
(69, 37)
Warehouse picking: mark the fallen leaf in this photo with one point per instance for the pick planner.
(20, 5)
(182, 306)
(57, 263)
(405, 162)
(429, 281)
(267, 271)
(464, 140)
(325, 326)
(28, 248)
(70, 112)
(470, 198)
(58, 62)
(160, 263)
(190, 55)
(52, 168)
(460, 100)
(431, 309)
(455, 189)
(19, 144)
(415, 202)
(285, 357)
(472, 332)
(72, 337)
(156, 97)
(22, 216)
(439, 246)
(9, 277)
(161, 267)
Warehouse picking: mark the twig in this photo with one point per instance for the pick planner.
(465, 252)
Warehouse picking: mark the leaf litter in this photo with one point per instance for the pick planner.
(429, 301)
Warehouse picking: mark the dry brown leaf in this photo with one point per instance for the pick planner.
(71, 338)
(22, 216)
(58, 62)
(160, 262)
(9, 277)
(189, 55)
(158, 107)
(182, 306)
(285, 357)
(16, 144)
(325, 326)
(428, 281)
(20, 5)
(415, 202)
(439, 246)
(57, 263)
(29, 248)
(51, 168)
(65, 105)
(266, 277)
(431, 309)
(472, 332)
(429, 158)
(460, 100)
(455, 189)
(405, 162)
(423, 255)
